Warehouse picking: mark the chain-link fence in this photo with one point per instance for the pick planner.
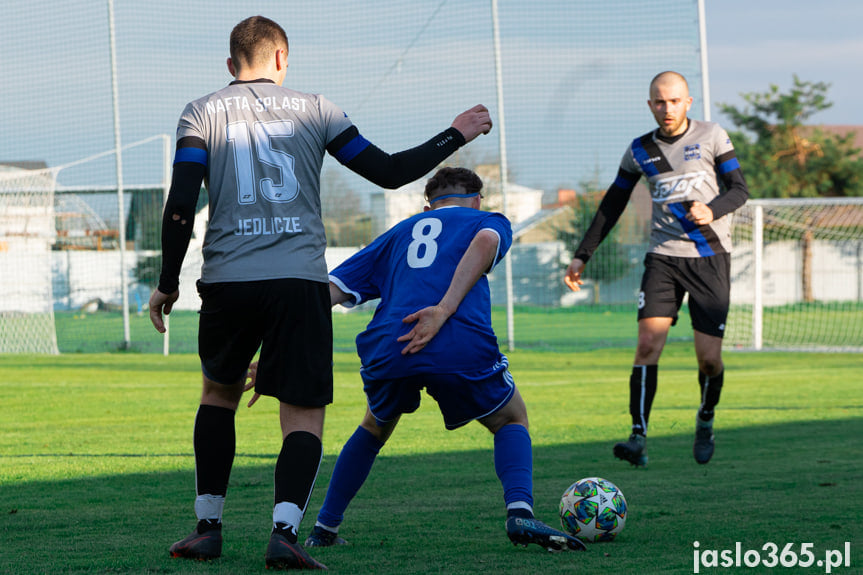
(573, 83)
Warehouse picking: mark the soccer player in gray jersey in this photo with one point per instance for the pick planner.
(684, 162)
(259, 148)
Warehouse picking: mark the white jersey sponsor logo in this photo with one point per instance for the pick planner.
(677, 188)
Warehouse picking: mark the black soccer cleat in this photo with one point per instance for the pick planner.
(633, 450)
(204, 543)
(703, 447)
(320, 537)
(524, 530)
(283, 555)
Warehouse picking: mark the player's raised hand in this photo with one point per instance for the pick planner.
(161, 303)
(252, 376)
(572, 279)
(471, 123)
(428, 320)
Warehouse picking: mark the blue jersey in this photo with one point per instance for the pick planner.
(410, 267)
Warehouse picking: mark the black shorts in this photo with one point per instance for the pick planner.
(289, 319)
(707, 280)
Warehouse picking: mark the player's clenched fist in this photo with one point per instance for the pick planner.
(471, 123)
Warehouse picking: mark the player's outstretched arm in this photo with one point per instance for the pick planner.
(392, 171)
(476, 261)
(471, 123)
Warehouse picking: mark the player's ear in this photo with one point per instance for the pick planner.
(231, 68)
(426, 208)
(281, 59)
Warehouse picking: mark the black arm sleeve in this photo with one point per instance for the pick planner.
(609, 211)
(178, 221)
(735, 195)
(393, 171)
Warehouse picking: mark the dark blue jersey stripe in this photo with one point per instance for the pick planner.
(350, 150)
(643, 158)
(701, 243)
(196, 155)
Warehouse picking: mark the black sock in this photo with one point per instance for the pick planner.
(711, 388)
(642, 389)
(297, 470)
(215, 443)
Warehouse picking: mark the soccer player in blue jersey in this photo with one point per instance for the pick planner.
(429, 272)
(259, 148)
(695, 183)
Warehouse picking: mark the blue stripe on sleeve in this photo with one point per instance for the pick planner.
(729, 166)
(624, 183)
(196, 155)
(691, 229)
(643, 158)
(350, 150)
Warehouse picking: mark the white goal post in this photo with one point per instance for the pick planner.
(797, 275)
(27, 232)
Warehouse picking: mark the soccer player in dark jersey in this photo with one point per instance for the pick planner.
(684, 162)
(432, 329)
(259, 147)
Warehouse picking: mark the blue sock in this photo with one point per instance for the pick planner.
(352, 467)
(513, 462)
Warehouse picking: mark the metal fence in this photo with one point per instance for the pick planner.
(572, 77)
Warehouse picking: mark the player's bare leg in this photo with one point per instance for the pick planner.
(652, 335)
(708, 351)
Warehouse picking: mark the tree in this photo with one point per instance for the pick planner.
(783, 158)
(610, 262)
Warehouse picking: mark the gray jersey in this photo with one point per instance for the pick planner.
(265, 145)
(679, 172)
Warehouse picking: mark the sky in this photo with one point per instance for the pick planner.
(754, 43)
(575, 75)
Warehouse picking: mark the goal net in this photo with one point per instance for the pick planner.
(26, 236)
(797, 275)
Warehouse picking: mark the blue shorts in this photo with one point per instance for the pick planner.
(461, 397)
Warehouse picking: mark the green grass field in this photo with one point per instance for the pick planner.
(535, 328)
(97, 476)
(549, 329)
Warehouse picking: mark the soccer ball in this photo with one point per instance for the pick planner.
(593, 509)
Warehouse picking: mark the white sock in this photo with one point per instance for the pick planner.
(209, 506)
(327, 527)
(288, 513)
(520, 505)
